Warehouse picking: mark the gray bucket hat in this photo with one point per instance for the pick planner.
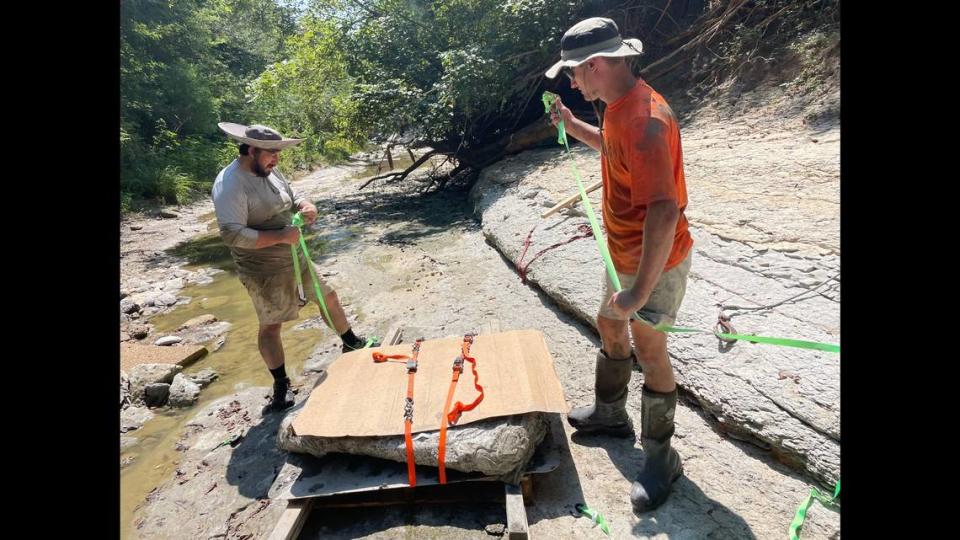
(258, 136)
(596, 36)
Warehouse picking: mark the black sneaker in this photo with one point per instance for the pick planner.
(282, 395)
(364, 343)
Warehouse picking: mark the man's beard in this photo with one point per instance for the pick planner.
(258, 170)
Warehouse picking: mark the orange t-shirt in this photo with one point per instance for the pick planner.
(643, 164)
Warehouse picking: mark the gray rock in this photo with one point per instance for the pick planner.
(496, 446)
(319, 360)
(144, 374)
(136, 285)
(133, 418)
(495, 529)
(156, 394)
(168, 340)
(204, 377)
(165, 299)
(173, 284)
(124, 389)
(741, 388)
(204, 333)
(128, 306)
(200, 320)
(127, 442)
(530, 193)
(136, 227)
(170, 214)
(183, 392)
(138, 330)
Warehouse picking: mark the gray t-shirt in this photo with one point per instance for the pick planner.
(245, 204)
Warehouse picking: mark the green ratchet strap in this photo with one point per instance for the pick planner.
(548, 101)
(802, 510)
(298, 222)
(597, 517)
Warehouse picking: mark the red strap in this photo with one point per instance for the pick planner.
(583, 230)
(407, 428)
(459, 407)
(442, 449)
(408, 405)
(379, 357)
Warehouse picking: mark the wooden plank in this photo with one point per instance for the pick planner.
(517, 528)
(394, 334)
(134, 354)
(292, 520)
(480, 491)
(570, 200)
(526, 487)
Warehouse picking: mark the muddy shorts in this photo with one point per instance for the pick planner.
(275, 297)
(664, 302)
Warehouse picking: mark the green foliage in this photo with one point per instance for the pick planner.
(453, 74)
(443, 71)
(184, 65)
(452, 70)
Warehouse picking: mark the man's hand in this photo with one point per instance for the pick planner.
(627, 302)
(308, 211)
(558, 112)
(575, 127)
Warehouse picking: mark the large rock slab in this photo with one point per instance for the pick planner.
(496, 446)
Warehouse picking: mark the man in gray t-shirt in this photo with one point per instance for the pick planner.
(254, 206)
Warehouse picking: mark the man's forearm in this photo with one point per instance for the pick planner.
(658, 231)
(584, 132)
(270, 238)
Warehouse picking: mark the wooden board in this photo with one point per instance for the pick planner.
(134, 354)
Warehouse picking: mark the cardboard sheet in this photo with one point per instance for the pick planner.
(362, 398)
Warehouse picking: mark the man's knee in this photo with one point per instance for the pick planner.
(650, 344)
(613, 334)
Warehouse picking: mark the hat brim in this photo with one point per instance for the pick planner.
(238, 133)
(629, 47)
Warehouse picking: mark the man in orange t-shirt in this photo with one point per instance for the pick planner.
(644, 197)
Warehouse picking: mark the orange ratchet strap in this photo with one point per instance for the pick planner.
(453, 416)
(408, 405)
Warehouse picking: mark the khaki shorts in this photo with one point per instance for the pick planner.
(275, 296)
(664, 302)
